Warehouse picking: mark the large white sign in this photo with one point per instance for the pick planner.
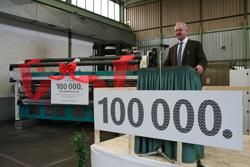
(69, 91)
(212, 118)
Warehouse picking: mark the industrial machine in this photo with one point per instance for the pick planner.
(103, 66)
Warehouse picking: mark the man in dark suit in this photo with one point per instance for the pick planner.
(186, 51)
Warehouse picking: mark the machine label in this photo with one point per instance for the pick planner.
(212, 118)
(69, 91)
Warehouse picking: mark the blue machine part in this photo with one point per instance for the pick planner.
(67, 113)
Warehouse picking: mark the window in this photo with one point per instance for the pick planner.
(117, 12)
(90, 5)
(97, 6)
(111, 10)
(81, 3)
(105, 8)
(73, 2)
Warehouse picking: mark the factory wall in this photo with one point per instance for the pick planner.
(148, 17)
(20, 41)
(221, 25)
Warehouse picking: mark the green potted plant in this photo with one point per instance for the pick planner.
(81, 151)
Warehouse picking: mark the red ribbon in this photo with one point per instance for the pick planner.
(120, 68)
(27, 79)
(71, 69)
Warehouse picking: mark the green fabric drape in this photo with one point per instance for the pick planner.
(172, 78)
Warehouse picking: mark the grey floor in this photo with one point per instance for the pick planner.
(43, 145)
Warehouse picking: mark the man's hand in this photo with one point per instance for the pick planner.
(199, 69)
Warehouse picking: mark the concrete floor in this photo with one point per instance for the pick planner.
(43, 145)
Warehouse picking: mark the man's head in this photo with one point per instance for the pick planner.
(181, 31)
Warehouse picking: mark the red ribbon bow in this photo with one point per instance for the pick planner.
(71, 69)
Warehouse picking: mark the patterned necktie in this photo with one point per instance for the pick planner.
(179, 55)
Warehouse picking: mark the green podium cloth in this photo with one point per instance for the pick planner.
(172, 78)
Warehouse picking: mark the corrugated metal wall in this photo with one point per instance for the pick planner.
(248, 6)
(248, 48)
(221, 8)
(212, 9)
(169, 31)
(144, 16)
(232, 40)
(216, 74)
(174, 11)
(147, 34)
(248, 20)
(221, 22)
(148, 42)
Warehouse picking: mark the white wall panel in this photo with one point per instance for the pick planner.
(81, 48)
(232, 40)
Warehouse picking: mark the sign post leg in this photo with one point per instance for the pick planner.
(179, 153)
(97, 136)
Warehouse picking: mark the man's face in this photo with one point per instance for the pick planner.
(180, 32)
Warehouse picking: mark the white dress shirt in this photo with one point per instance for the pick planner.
(184, 42)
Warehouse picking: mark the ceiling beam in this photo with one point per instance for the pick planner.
(132, 1)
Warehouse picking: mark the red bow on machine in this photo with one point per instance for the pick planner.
(71, 69)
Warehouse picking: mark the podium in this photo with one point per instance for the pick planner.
(172, 78)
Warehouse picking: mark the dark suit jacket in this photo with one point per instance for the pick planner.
(193, 55)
